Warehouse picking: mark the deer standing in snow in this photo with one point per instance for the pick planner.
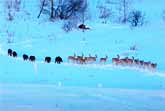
(91, 58)
(103, 60)
(153, 66)
(116, 61)
(72, 58)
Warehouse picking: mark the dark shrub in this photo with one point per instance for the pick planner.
(136, 18)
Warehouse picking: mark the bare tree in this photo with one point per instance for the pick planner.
(104, 10)
(105, 13)
(136, 18)
(69, 8)
(42, 6)
(68, 26)
(163, 15)
(17, 4)
(124, 6)
(63, 9)
(44, 3)
(52, 9)
(11, 6)
(10, 36)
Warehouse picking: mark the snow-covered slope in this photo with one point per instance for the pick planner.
(41, 38)
(55, 98)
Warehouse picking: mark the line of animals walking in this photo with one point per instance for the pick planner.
(115, 61)
(91, 59)
(32, 58)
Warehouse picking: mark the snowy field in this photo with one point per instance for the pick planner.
(38, 86)
(56, 98)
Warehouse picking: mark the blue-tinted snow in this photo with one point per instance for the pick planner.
(26, 86)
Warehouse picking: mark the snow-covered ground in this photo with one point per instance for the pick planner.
(56, 98)
(26, 86)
